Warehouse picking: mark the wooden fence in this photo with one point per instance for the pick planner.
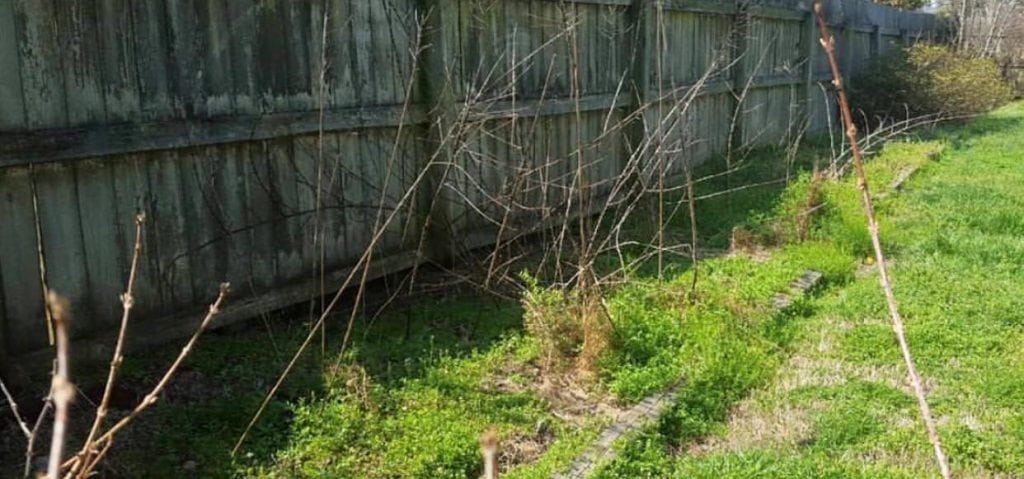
(206, 115)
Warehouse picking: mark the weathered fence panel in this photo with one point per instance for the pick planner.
(264, 139)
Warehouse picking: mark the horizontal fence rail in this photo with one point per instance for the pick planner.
(222, 121)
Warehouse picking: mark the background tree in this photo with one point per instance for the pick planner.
(905, 4)
(991, 29)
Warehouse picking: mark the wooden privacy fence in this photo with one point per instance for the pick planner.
(207, 116)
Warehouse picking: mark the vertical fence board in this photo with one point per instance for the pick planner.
(171, 229)
(57, 191)
(149, 25)
(79, 47)
(387, 82)
(288, 237)
(233, 198)
(362, 50)
(263, 216)
(302, 68)
(188, 48)
(201, 176)
(353, 191)
(118, 55)
(26, 320)
(218, 85)
(305, 159)
(336, 245)
(242, 16)
(132, 195)
(41, 75)
(272, 53)
(12, 107)
(103, 248)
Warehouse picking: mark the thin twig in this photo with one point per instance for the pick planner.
(828, 43)
(31, 446)
(14, 410)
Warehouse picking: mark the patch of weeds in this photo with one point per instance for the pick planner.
(870, 344)
(644, 456)
(839, 429)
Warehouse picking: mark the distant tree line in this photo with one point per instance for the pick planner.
(904, 4)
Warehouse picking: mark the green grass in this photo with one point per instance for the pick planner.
(841, 405)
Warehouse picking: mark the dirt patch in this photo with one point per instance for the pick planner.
(523, 448)
(568, 398)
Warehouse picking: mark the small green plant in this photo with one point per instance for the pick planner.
(927, 80)
(554, 318)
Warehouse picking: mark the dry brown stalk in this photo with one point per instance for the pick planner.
(828, 43)
(319, 264)
(61, 389)
(127, 302)
(41, 258)
(811, 203)
(691, 202)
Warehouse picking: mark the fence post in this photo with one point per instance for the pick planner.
(438, 74)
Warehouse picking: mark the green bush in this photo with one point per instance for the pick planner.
(928, 79)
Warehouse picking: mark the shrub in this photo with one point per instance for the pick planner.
(554, 319)
(928, 79)
(567, 324)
